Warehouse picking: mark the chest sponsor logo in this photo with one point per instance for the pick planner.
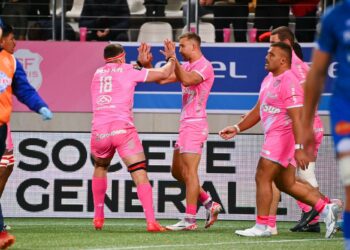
(270, 109)
(104, 99)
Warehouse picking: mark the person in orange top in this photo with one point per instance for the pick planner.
(7, 71)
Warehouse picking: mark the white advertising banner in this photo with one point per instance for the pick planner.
(53, 171)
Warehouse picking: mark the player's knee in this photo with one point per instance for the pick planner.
(344, 169)
(309, 174)
(141, 165)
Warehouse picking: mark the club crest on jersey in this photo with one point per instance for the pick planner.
(5, 81)
(276, 83)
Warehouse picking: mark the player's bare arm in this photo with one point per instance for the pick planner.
(187, 78)
(300, 155)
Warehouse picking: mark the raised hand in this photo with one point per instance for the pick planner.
(169, 49)
(145, 56)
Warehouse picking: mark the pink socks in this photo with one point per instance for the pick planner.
(99, 188)
(205, 199)
(144, 192)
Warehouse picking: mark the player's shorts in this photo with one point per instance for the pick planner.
(119, 135)
(318, 132)
(340, 123)
(279, 148)
(192, 136)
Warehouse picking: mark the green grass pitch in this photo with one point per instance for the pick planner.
(118, 234)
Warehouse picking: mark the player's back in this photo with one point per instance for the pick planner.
(112, 92)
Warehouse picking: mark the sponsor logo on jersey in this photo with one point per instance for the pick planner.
(270, 109)
(104, 99)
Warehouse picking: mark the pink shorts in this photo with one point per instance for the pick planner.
(279, 149)
(118, 135)
(318, 131)
(192, 135)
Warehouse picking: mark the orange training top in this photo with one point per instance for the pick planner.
(7, 71)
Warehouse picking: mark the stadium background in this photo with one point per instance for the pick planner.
(53, 168)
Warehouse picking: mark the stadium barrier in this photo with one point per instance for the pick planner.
(65, 69)
(53, 171)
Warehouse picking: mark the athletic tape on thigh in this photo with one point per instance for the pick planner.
(309, 174)
(141, 165)
(7, 160)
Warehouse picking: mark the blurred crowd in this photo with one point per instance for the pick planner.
(112, 20)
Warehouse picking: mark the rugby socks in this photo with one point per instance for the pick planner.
(205, 199)
(262, 222)
(320, 206)
(145, 195)
(99, 188)
(271, 221)
(346, 229)
(306, 208)
(191, 211)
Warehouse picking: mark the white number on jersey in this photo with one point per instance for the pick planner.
(105, 84)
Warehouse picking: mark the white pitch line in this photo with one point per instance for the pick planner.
(210, 244)
(23, 223)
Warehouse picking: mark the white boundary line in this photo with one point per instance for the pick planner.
(211, 244)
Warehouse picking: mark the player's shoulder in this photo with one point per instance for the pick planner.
(332, 15)
(206, 61)
(289, 77)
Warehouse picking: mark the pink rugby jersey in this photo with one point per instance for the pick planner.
(112, 92)
(194, 98)
(300, 69)
(277, 95)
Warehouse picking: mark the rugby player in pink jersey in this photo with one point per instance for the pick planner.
(300, 69)
(112, 91)
(279, 109)
(197, 77)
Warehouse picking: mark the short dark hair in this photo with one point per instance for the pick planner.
(286, 49)
(113, 50)
(284, 33)
(191, 36)
(6, 30)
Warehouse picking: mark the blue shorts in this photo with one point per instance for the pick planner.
(340, 123)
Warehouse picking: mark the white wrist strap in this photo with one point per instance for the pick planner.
(237, 128)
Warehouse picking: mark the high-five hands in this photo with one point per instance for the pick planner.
(169, 49)
(145, 56)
